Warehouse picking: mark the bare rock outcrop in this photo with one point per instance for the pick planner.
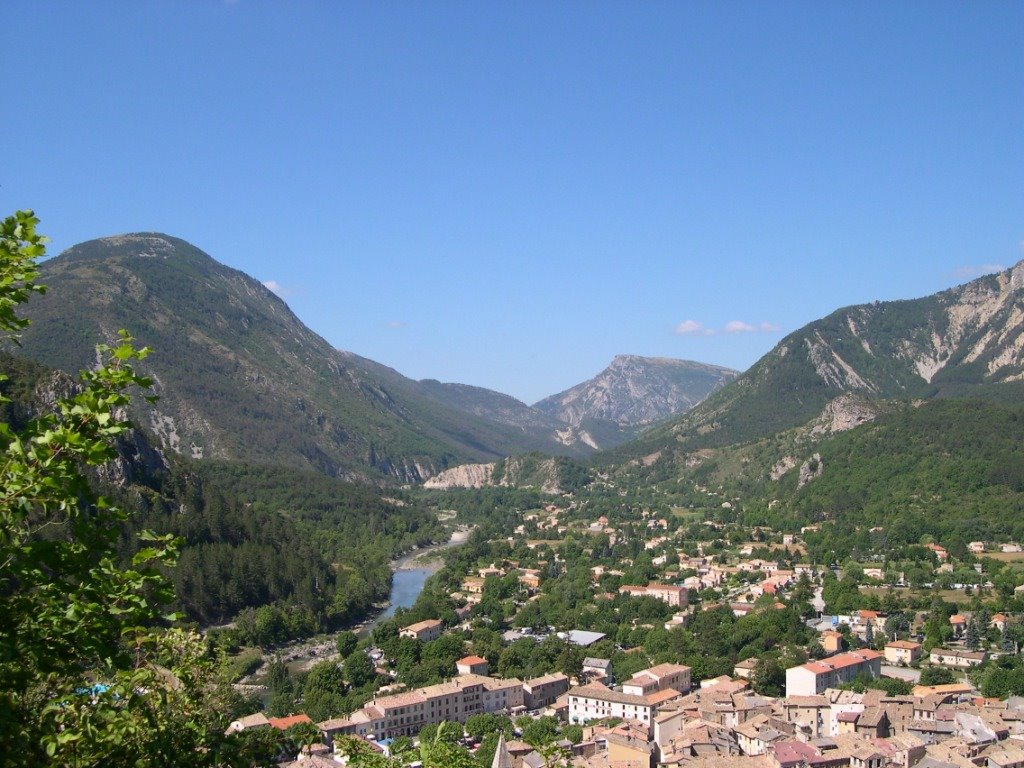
(464, 476)
(810, 469)
(843, 413)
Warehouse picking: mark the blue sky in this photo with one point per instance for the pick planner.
(509, 194)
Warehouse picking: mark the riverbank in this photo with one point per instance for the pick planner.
(427, 557)
(410, 573)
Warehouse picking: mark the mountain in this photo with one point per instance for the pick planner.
(239, 377)
(631, 393)
(962, 341)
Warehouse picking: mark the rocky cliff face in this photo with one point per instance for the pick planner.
(541, 473)
(636, 391)
(464, 476)
(951, 343)
(974, 332)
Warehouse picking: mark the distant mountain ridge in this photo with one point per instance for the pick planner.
(636, 391)
(240, 378)
(961, 341)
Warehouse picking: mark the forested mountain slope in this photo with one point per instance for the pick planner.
(316, 546)
(239, 376)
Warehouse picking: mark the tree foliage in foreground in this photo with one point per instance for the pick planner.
(88, 674)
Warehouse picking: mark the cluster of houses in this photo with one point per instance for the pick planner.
(658, 718)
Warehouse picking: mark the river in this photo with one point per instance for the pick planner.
(411, 571)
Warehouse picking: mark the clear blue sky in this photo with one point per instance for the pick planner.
(509, 194)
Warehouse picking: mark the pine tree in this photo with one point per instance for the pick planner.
(1007, 644)
(973, 637)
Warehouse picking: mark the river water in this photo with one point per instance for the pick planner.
(410, 574)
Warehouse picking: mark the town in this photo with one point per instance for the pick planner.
(634, 639)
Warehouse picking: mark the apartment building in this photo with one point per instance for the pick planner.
(404, 714)
(597, 702)
(814, 677)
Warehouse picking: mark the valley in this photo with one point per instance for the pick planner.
(664, 543)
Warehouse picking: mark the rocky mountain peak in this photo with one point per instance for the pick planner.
(634, 391)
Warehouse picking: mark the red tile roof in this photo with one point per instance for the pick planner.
(284, 723)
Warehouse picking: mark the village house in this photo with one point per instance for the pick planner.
(677, 597)
(598, 702)
(471, 665)
(678, 620)
(258, 720)
(953, 657)
(745, 669)
(596, 669)
(811, 714)
(904, 652)
(831, 641)
(426, 630)
(758, 733)
(660, 677)
(529, 578)
(542, 691)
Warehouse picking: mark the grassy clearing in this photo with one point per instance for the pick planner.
(1006, 557)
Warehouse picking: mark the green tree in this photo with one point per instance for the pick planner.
(323, 692)
(769, 678)
(937, 676)
(541, 731)
(346, 643)
(441, 749)
(480, 725)
(973, 636)
(89, 675)
(895, 623)
(359, 670)
(361, 755)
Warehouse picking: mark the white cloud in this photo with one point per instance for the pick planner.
(396, 324)
(275, 287)
(738, 326)
(970, 271)
(692, 328)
